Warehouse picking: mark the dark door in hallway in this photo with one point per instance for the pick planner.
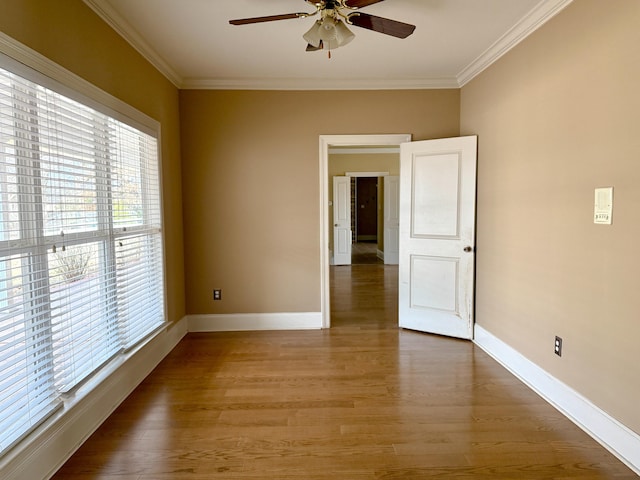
(366, 210)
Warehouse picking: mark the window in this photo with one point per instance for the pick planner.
(81, 274)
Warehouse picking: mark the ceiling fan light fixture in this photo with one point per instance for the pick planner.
(329, 32)
(313, 35)
(344, 35)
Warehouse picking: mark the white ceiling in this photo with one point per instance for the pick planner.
(192, 43)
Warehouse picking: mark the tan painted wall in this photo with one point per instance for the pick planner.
(557, 117)
(70, 34)
(340, 163)
(251, 183)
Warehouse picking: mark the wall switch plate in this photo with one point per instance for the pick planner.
(217, 294)
(603, 206)
(557, 349)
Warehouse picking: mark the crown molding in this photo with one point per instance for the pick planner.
(539, 15)
(126, 31)
(108, 14)
(318, 84)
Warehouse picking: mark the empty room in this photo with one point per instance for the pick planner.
(188, 285)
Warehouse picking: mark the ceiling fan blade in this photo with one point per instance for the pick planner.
(361, 3)
(381, 25)
(270, 18)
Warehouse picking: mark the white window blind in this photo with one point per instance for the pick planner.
(81, 273)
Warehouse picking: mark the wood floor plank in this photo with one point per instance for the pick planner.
(361, 401)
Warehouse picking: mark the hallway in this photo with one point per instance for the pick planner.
(365, 253)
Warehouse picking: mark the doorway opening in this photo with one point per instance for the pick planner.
(364, 216)
(367, 222)
(328, 142)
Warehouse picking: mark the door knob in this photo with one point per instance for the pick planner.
(468, 249)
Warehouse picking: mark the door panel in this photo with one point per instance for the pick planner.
(430, 281)
(435, 195)
(437, 235)
(342, 220)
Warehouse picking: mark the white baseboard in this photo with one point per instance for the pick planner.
(255, 321)
(41, 454)
(606, 430)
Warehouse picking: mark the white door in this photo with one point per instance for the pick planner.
(437, 236)
(391, 219)
(342, 220)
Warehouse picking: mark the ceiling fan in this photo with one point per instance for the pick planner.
(329, 31)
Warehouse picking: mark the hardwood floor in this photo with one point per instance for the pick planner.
(365, 253)
(361, 401)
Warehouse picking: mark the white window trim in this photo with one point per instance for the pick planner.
(76, 87)
(151, 349)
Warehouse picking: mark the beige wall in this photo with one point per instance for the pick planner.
(70, 34)
(251, 185)
(340, 163)
(557, 117)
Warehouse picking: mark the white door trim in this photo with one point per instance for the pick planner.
(391, 227)
(327, 141)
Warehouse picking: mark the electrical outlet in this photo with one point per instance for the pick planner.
(557, 349)
(217, 294)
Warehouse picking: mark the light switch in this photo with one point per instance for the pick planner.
(603, 208)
